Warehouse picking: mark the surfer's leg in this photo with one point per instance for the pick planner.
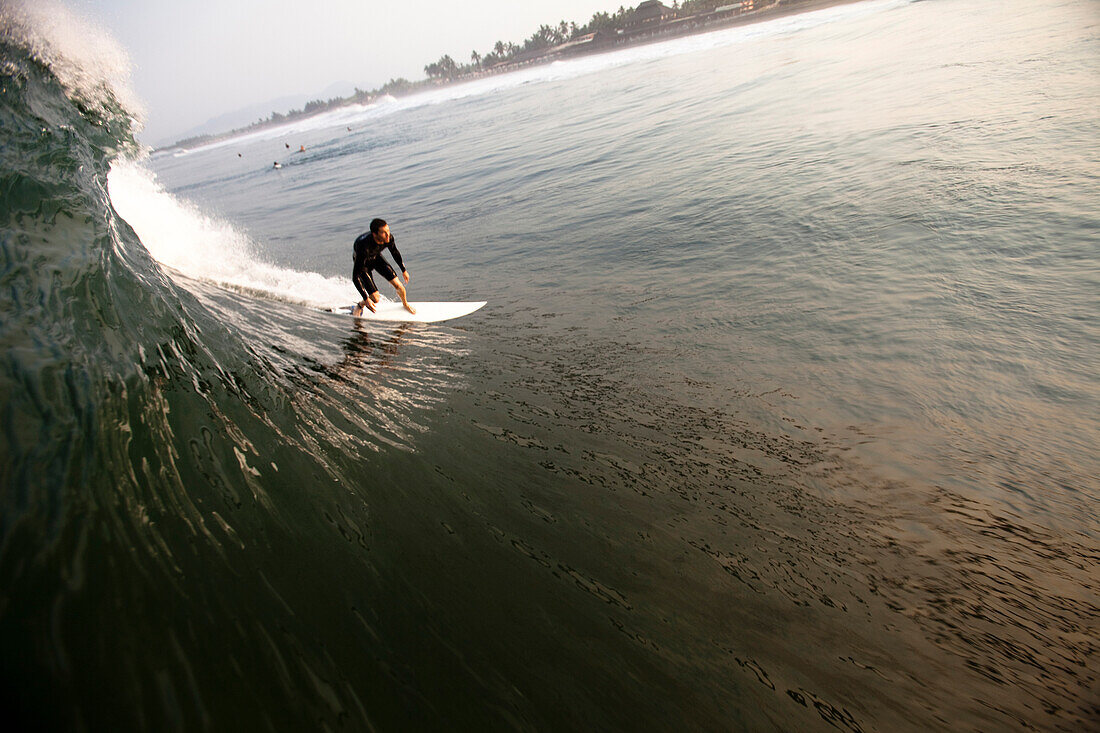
(401, 292)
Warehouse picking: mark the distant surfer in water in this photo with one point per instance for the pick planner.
(368, 256)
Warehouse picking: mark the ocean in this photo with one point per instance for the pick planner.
(783, 414)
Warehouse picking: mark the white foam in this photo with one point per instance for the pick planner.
(201, 247)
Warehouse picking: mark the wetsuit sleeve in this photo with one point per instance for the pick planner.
(360, 277)
(396, 255)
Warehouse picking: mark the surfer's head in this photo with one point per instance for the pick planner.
(380, 229)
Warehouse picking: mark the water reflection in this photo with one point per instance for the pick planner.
(362, 351)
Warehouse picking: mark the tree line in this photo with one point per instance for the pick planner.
(549, 36)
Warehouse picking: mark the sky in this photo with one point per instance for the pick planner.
(196, 60)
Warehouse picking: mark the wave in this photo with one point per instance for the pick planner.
(68, 259)
(183, 238)
(148, 435)
(92, 68)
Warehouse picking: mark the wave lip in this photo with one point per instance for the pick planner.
(92, 66)
(201, 247)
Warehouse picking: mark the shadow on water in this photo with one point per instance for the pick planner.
(362, 351)
(362, 384)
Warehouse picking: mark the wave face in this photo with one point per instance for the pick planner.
(780, 414)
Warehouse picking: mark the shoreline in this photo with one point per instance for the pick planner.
(772, 11)
(694, 25)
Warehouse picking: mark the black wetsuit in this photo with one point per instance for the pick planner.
(367, 257)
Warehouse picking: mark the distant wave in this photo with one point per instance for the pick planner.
(564, 69)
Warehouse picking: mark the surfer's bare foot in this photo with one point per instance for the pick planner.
(409, 308)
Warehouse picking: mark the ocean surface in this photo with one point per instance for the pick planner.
(783, 414)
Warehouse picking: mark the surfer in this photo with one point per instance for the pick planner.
(368, 256)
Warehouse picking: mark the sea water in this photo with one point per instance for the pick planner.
(783, 413)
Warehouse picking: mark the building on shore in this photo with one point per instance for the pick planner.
(649, 13)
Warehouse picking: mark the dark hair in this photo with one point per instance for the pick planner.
(376, 225)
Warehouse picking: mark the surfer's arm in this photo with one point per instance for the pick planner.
(397, 257)
(356, 277)
(357, 267)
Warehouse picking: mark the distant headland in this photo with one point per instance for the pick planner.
(649, 22)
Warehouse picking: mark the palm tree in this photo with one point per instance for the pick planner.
(448, 65)
(598, 22)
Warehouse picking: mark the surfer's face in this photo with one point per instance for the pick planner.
(382, 235)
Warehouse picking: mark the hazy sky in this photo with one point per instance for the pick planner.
(197, 59)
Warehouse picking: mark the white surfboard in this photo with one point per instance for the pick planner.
(426, 312)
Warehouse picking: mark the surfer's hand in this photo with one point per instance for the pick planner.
(406, 274)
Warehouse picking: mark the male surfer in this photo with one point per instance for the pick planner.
(368, 256)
